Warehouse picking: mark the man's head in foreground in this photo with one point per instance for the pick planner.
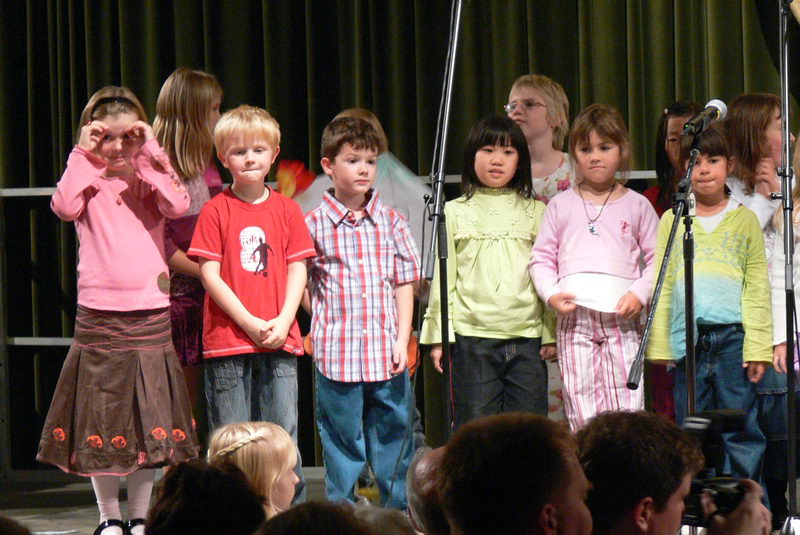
(514, 474)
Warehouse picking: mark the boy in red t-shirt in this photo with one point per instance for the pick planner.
(251, 243)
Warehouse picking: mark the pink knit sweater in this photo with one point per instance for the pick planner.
(626, 237)
(120, 225)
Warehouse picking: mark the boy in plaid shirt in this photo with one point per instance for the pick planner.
(362, 298)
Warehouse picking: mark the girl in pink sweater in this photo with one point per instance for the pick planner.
(586, 264)
(120, 407)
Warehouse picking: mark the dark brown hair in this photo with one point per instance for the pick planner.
(343, 130)
(312, 518)
(366, 115)
(713, 141)
(628, 456)
(519, 457)
(197, 498)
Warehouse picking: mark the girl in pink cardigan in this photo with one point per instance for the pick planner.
(586, 264)
(120, 407)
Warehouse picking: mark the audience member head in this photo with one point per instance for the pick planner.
(424, 505)
(640, 467)
(196, 499)
(9, 526)
(267, 456)
(314, 518)
(668, 146)
(385, 521)
(534, 97)
(515, 474)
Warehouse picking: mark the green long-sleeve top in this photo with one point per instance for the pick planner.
(490, 294)
(730, 283)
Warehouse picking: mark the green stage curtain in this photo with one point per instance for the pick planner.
(305, 60)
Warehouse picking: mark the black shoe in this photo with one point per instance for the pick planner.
(110, 523)
(130, 524)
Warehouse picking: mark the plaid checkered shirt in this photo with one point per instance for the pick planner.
(359, 264)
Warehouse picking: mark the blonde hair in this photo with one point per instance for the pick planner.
(111, 101)
(250, 122)
(608, 124)
(554, 97)
(366, 115)
(262, 450)
(181, 125)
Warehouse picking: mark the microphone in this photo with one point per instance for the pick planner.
(715, 110)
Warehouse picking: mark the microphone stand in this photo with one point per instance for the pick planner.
(439, 227)
(792, 524)
(682, 207)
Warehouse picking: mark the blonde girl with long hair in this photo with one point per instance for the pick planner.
(187, 111)
(265, 453)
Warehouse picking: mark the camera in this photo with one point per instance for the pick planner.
(726, 492)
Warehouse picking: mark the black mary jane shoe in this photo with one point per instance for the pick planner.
(130, 524)
(110, 523)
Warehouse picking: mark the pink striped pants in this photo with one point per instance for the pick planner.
(595, 353)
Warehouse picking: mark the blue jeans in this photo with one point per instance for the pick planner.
(255, 387)
(491, 376)
(721, 383)
(365, 421)
(772, 404)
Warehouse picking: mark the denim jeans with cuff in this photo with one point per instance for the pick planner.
(255, 387)
(721, 383)
(365, 421)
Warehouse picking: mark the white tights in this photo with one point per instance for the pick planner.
(140, 487)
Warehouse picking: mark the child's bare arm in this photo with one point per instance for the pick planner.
(305, 302)
(279, 326)
(404, 298)
(181, 263)
(221, 293)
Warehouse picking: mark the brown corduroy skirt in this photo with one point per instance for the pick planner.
(121, 402)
